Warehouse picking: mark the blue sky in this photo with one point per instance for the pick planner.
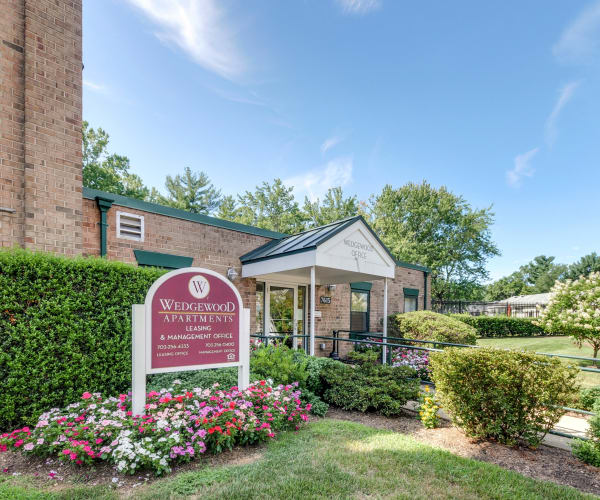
(499, 101)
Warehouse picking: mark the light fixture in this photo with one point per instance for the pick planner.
(331, 288)
(232, 274)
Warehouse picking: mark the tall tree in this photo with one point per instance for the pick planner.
(509, 286)
(436, 228)
(584, 267)
(191, 191)
(333, 208)
(271, 206)
(108, 171)
(541, 273)
(228, 209)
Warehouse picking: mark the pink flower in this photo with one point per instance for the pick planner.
(28, 447)
(86, 395)
(73, 456)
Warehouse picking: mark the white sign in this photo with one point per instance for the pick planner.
(192, 319)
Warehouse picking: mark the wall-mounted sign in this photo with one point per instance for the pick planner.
(192, 319)
(325, 300)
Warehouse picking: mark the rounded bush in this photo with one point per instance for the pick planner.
(428, 325)
(507, 396)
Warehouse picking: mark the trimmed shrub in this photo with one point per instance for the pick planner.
(65, 328)
(280, 364)
(508, 396)
(366, 387)
(503, 326)
(588, 398)
(225, 377)
(589, 451)
(428, 325)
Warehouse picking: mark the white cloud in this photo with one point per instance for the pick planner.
(315, 183)
(198, 28)
(580, 41)
(330, 143)
(96, 87)
(565, 95)
(358, 6)
(522, 168)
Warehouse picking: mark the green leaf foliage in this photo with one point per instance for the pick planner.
(504, 326)
(589, 451)
(428, 325)
(507, 396)
(378, 388)
(437, 228)
(65, 328)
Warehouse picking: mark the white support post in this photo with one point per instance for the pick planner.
(295, 320)
(385, 315)
(312, 310)
(244, 368)
(138, 358)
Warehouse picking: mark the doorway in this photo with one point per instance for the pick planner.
(281, 310)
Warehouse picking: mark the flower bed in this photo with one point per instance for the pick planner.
(417, 360)
(175, 428)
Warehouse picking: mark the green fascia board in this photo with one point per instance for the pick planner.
(156, 259)
(363, 286)
(176, 213)
(416, 267)
(411, 292)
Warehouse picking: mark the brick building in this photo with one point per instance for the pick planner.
(43, 205)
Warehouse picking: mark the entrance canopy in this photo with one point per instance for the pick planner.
(342, 252)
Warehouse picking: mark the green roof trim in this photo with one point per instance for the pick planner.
(364, 286)
(416, 267)
(176, 213)
(411, 292)
(166, 260)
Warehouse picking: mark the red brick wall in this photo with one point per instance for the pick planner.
(219, 249)
(41, 136)
(211, 247)
(12, 122)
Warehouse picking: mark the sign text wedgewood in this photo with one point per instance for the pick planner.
(195, 320)
(358, 249)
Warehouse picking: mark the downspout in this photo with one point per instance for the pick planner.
(104, 205)
(425, 275)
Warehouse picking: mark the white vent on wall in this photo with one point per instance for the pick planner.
(130, 226)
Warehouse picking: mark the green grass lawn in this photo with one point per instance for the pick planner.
(330, 459)
(552, 345)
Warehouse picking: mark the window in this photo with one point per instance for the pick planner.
(130, 226)
(411, 299)
(359, 311)
(260, 306)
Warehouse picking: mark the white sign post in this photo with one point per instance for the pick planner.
(192, 319)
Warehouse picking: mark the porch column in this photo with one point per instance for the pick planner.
(312, 311)
(385, 314)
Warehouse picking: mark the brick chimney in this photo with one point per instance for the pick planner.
(40, 125)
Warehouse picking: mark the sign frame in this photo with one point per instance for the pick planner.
(141, 327)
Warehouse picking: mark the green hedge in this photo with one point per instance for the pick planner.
(503, 326)
(65, 328)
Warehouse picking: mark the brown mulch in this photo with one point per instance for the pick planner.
(545, 462)
(65, 474)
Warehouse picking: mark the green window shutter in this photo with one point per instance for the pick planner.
(361, 285)
(411, 292)
(165, 260)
